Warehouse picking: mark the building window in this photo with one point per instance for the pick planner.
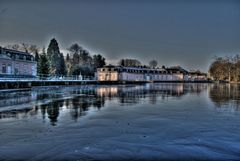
(9, 69)
(29, 58)
(15, 71)
(9, 54)
(4, 69)
(20, 57)
(16, 56)
(25, 69)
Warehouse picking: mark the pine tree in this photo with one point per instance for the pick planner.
(36, 56)
(43, 65)
(54, 57)
(63, 65)
(67, 58)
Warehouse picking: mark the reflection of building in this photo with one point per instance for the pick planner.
(107, 91)
(120, 73)
(77, 101)
(133, 94)
(16, 63)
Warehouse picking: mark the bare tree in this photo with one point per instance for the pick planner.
(33, 49)
(75, 51)
(14, 47)
(225, 68)
(29, 48)
(129, 62)
(153, 63)
(25, 47)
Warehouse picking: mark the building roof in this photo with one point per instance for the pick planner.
(173, 69)
(15, 51)
(15, 55)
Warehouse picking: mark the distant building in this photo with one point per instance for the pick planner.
(178, 72)
(17, 63)
(197, 76)
(120, 73)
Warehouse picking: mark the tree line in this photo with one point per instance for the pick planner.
(77, 61)
(136, 63)
(225, 68)
(52, 62)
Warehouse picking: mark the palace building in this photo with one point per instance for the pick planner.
(15, 63)
(121, 73)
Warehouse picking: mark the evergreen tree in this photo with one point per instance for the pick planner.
(36, 56)
(43, 65)
(98, 61)
(54, 57)
(63, 65)
(68, 65)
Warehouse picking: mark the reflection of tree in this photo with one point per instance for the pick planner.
(53, 112)
(225, 94)
(81, 104)
(76, 110)
(80, 100)
(43, 109)
(98, 102)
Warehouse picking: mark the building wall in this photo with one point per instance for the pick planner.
(111, 75)
(197, 77)
(13, 62)
(24, 68)
(18, 67)
(107, 76)
(5, 66)
(125, 76)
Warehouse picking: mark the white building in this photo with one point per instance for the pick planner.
(120, 73)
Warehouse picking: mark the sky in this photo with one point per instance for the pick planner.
(188, 33)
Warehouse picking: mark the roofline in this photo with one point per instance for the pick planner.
(22, 52)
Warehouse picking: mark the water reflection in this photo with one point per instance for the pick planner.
(225, 96)
(76, 101)
(131, 95)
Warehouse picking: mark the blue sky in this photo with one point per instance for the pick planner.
(174, 32)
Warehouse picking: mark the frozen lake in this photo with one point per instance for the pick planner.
(122, 122)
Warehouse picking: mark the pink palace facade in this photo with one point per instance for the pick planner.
(120, 73)
(16, 63)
